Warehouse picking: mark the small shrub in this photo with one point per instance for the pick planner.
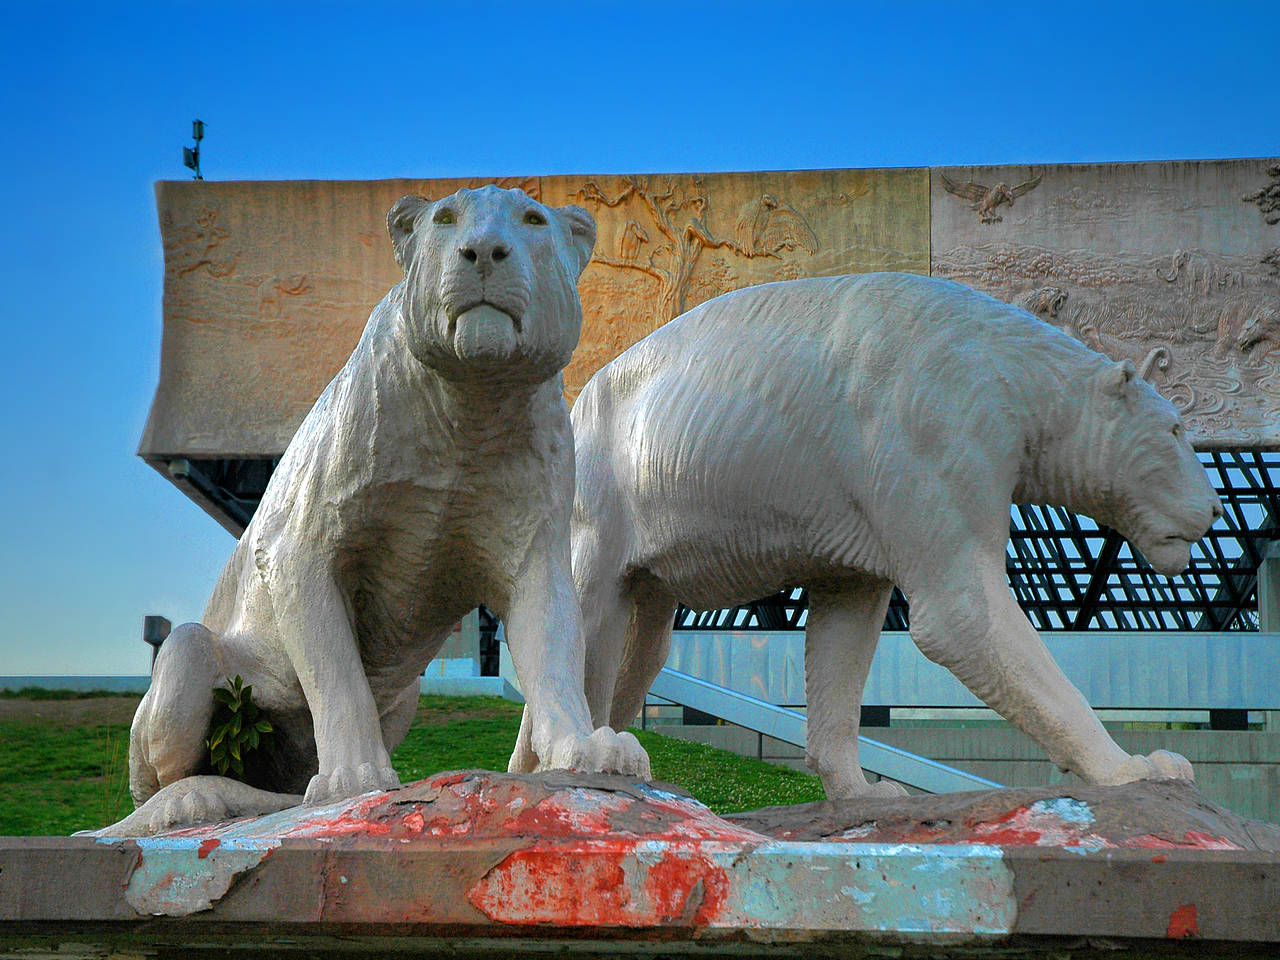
(238, 727)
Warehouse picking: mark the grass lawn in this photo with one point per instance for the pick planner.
(64, 762)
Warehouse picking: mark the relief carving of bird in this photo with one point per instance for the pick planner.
(987, 199)
(765, 227)
(633, 238)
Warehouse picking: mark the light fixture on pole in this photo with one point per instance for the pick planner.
(191, 155)
(154, 631)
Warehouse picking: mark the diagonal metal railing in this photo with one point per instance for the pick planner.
(790, 726)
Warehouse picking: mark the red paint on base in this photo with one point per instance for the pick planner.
(627, 856)
(674, 882)
(606, 884)
(472, 805)
(449, 779)
(532, 887)
(355, 819)
(1032, 825)
(1026, 826)
(1191, 840)
(1012, 829)
(1184, 922)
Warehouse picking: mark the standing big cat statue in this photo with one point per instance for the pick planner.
(847, 434)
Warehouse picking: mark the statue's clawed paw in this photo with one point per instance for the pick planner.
(196, 807)
(1160, 765)
(343, 782)
(174, 807)
(604, 751)
(195, 800)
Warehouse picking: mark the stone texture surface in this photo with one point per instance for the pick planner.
(669, 242)
(574, 851)
(267, 284)
(267, 288)
(1150, 815)
(1172, 265)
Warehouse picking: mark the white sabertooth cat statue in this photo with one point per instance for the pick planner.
(851, 433)
(434, 473)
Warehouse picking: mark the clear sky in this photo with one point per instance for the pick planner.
(96, 102)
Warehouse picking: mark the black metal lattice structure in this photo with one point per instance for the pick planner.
(1069, 573)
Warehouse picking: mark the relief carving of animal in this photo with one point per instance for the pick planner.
(766, 227)
(433, 474)
(852, 433)
(988, 199)
(1044, 302)
(1048, 302)
(1259, 325)
(1267, 197)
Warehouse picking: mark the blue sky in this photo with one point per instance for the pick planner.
(96, 103)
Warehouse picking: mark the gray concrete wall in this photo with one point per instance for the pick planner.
(464, 641)
(1129, 669)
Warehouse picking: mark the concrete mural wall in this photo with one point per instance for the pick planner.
(1174, 265)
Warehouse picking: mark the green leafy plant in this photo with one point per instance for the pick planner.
(238, 727)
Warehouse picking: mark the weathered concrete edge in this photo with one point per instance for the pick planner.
(272, 942)
(390, 888)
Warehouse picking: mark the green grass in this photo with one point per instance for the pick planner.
(55, 779)
(724, 781)
(457, 733)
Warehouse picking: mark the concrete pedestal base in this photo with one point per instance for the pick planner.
(502, 865)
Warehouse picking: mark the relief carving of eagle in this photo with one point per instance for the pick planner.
(987, 199)
(765, 227)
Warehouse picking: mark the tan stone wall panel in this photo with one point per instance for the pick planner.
(1173, 265)
(267, 288)
(268, 284)
(1177, 265)
(666, 243)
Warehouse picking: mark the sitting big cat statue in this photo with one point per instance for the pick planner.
(433, 474)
